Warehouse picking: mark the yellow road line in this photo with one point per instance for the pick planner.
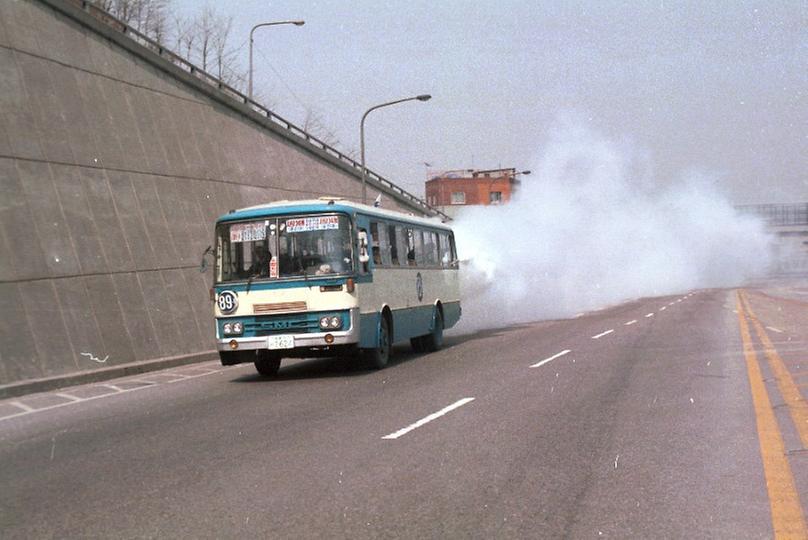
(788, 520)
(797, 406)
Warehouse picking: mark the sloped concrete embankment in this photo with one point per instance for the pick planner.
(112, 171)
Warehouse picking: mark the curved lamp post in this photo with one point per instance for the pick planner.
(422, 97)
(296, 23)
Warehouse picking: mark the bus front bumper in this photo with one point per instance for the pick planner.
(312, 340)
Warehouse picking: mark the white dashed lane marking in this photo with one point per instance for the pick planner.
(428, 419)
(629, 323)
(607, 332)
(546, 360)
(649, 315)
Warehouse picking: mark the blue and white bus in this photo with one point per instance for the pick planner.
(329, 277)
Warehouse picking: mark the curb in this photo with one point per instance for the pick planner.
(113, 372)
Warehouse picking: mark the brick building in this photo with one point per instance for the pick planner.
(451, 190)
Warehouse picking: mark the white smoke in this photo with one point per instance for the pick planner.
(589, 228)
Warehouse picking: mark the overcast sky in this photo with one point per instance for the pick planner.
(711, 86)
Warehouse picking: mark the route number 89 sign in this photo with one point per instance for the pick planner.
(228, 301)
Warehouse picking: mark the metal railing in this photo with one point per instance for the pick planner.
(779, 215)
(180, 62)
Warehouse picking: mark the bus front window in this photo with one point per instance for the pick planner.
(314, 246)
(245, 250)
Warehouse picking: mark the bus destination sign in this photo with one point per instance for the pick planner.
(319, 223)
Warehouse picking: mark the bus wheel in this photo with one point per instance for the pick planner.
(377, 357)
(434, 341)
(267, 363)
(417, 343)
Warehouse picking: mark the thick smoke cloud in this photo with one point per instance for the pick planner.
(591, 228)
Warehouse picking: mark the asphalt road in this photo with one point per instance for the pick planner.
(648, 427)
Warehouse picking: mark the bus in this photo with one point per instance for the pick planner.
(329, 277)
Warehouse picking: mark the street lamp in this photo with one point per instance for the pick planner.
(422, 97)
(296, 23)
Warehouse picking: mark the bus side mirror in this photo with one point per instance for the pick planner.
(363, 247)
(203, 265)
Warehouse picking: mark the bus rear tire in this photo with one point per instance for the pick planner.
(267, 364)
(378, 357)
(434, 340)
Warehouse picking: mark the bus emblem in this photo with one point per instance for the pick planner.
(419, 286)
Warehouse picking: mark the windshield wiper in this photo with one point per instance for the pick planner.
(305, 277)
(249, 283)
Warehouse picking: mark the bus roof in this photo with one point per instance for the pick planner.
(325, 204)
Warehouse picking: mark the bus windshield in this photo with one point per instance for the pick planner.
(285, 247)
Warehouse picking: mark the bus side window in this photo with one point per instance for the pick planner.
(384, 244)
(402, 242)
(393, 237)
(362, 236)
(420, 252)
(374, 233)
(411, 261)
(445, 251)
(454, 250)
(431, 239)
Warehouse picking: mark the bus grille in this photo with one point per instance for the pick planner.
(290, 324)
(279, 307)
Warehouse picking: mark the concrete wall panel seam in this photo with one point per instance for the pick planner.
(56, 279)
(19, 344)
(61, 311)
(162, 175)
(63, 215)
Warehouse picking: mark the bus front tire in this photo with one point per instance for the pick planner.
(378, 357)
(267, 364)
(434, 340)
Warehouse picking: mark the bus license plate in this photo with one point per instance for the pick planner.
(281, 342)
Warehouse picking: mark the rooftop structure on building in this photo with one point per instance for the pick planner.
(452, 190)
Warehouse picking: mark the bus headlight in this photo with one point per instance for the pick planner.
(233, 328)
(333, 322)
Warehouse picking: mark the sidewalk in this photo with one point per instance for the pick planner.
(31, 386)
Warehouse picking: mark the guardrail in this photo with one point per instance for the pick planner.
(782, 215)
(177, 60)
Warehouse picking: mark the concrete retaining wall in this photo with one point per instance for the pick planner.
(112, 171)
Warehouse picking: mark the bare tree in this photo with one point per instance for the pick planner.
(156, 20)
(223, 55)
(315, 124)
(183, 35)
(205, 29)
(146, 16)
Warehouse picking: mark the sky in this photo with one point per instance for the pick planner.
(715, 88)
